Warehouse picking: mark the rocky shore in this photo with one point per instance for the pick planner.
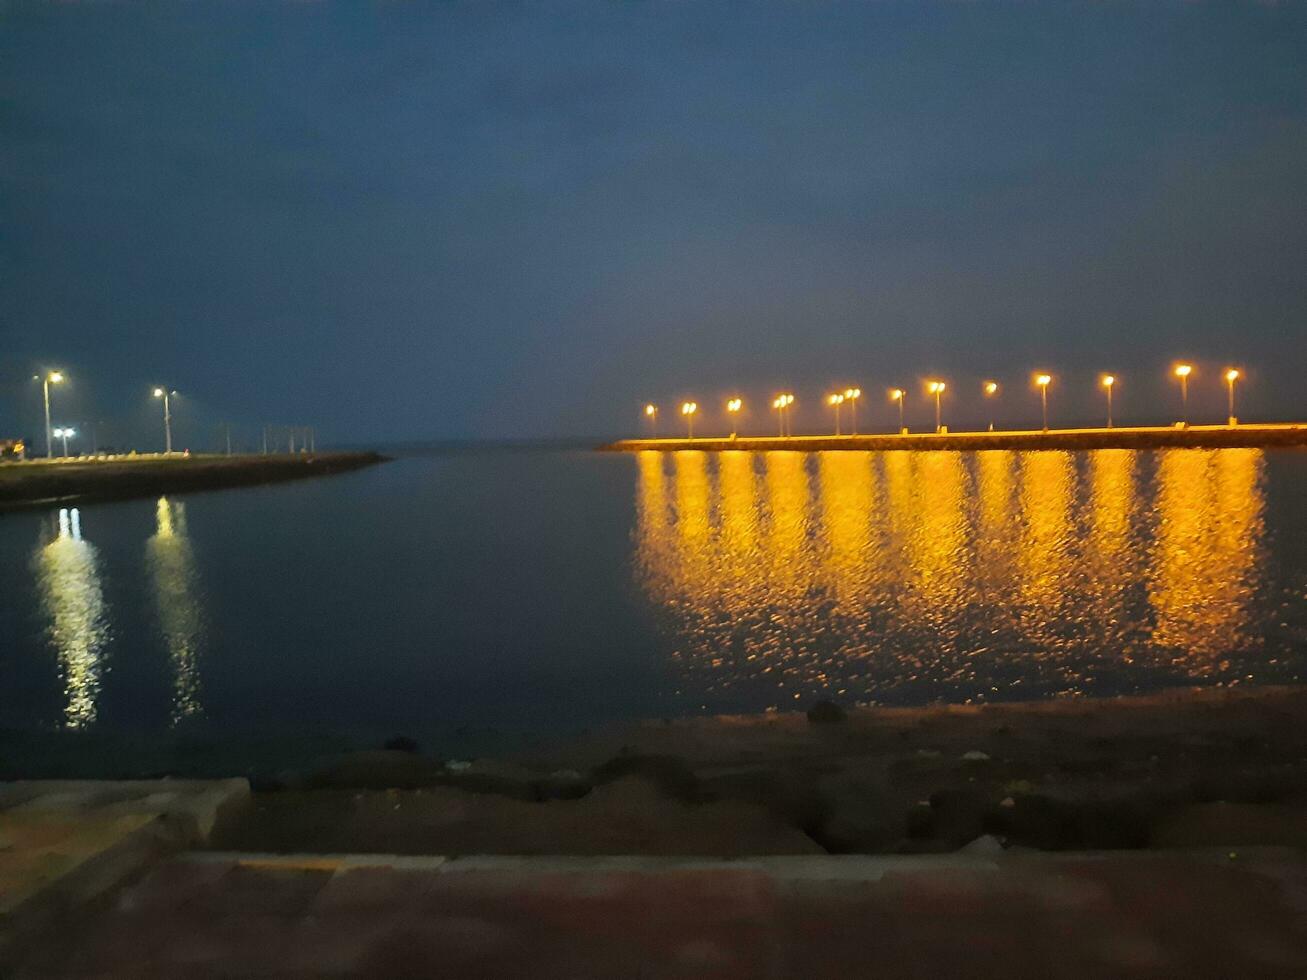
(1186, 768)
(42, 483)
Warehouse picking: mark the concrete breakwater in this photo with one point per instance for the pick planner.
(40, 483)
(1152, 437)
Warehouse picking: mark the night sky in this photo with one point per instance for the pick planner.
(413, 221)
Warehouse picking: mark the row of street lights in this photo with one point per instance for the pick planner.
(782, 403)
(65, 433)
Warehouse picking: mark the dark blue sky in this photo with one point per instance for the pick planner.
(420, 220)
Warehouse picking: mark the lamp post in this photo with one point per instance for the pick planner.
(896, 395)
(836, 400)
(52, 378)
(1044, 380)
(990, 388)
(1231, 376)
(936, 388)
(64, 434)
(651, 413)
(1182, 371)
(167, 418)
(733, 407)
(782, 403)
(851, 395)
(688, 409)
(1108, 381)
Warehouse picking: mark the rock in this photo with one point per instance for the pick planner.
(984, 844)
(975, 755)
(671, 774)
(1007, 802)
(826, 713)
(377, 769)
(401, 743)
(458, 765)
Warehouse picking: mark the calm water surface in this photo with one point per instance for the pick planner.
(553, 590)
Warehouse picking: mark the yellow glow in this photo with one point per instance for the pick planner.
(1232, 375)
(1043, 380)
(734, 405)
(158, 392)
(788, 400)
(1045, 558)
(852, 393)
(651, 410)
(54, 377)
(935, 387)
(1183, 370)
(835, 400)
(77, 623)
(171, 562)
(689, 408)
(896, 394)
(1107, 380)
(851, 564)
(991, 387)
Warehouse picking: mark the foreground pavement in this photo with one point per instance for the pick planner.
(1112, 914)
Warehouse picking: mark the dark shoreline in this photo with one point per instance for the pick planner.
(1151, 437)
(42, 484)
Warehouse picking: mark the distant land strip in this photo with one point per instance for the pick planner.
(42, 483)
(1280, 435)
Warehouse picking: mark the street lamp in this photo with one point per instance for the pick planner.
(990, 389)
(651, 413)
(936, 388)
(896, 395)
(852, 395)
(1182, 371)
(1044, 380)
(167, 418)
(836, 400)
(688, 409)
(1107, 381)
(1231, 376)
(53, 378)
(782, 404)
(64, 434)
(733, 407)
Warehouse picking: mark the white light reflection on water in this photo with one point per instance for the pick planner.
(171, 562)
(72, 603)
(911, 575)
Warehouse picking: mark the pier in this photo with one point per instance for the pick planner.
(1259, 436)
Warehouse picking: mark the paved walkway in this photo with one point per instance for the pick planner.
(1106, 915)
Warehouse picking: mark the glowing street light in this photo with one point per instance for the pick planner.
(733, 407)
(782, 404)
(990, 388)
(896, 395)
(836, 400)
(1182, 371)
(851, 395)
(936, 388)
(1044, 380)
(651, 413)
(1107, 381)
(1231, 376)
(688, 409)
(52, 378)
(65, 435)
(167, 418)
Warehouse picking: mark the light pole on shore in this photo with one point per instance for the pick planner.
(836, 400)
(733, 407)
(51, 378)
(1108, 381)
(1044, 380)
(651, 413)
(167, 418)
(936, 388)
(64, 434)
(1231, 376)
(851, 395)
(688, 409)
(990, 389)
(896, 395)
(782, 403)
(1182, 371)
